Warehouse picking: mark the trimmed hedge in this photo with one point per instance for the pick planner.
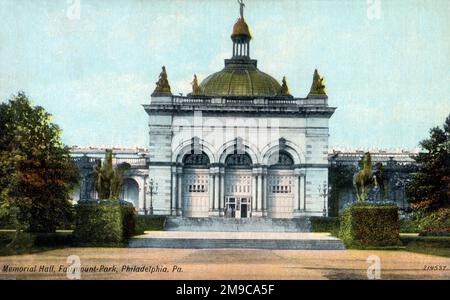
(365, 224)
(325, 224)
(98, 223)
(129, 219)
(149, 223)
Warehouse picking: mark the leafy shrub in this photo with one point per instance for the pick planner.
(98, 223)
(408, 225)
(325, 224)
(148, 223)
(6, 237)
(128, 213)
(68, 222)
(438, 219)
(6, 222)
(366, 224)
(21, 241)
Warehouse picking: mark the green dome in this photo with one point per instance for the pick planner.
(240, 78)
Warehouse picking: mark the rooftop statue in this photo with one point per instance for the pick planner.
(318, 85)
(162, 86)
(195, 88)
(284, 91)
(241, 8)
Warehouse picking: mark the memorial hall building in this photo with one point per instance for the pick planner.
(238, 146)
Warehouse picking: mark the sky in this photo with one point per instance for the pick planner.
(92, 63)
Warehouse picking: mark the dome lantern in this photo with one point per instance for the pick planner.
(241, 35)
(241, 77)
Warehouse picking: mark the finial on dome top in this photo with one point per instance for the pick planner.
(318, 85)
(284, 91)
(195, 87)
(162, 86)
(240, 28)
(241, 8)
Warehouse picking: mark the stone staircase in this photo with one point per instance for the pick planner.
(226, 233)
(241, 225)
(307, 243)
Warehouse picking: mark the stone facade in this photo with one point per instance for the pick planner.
(239, 145)
(242, 144)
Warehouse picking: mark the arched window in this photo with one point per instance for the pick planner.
(281, 159)
(238, 160)
(196, 160)
(130, 191)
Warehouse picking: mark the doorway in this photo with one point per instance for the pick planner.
(236, 207)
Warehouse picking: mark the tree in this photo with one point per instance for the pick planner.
(109, 180)
(430, 188)
(37, 173)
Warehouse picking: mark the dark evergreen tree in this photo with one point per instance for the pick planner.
(430, 188)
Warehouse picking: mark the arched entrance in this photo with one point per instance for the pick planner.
(238, 186)
(195, 185)
(130, 192)
(280, 189)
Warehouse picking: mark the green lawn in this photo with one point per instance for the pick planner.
(433, 245)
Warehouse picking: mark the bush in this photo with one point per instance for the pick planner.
(22, 241)
(438, 219)
(98, 223)
(149, 223)
(6, 221)
(68, 222)
(128, 219)
(365, 224)
(14, 243)
(408, 225)
(325, 224)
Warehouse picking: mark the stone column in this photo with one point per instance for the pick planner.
(174, 196)
(142, 193)
(302, 191)
(264, 194)
(222, 191)
(296, 191)
(260, 193)
(254, 190)
(180, 193)
(216, 191)
(211, 190)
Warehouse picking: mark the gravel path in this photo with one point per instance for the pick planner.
(123, 263)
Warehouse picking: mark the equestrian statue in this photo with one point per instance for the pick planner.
(367, 178)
